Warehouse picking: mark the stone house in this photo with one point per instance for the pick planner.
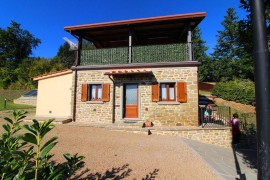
(139, 70)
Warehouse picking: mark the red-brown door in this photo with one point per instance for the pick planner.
(131, 101)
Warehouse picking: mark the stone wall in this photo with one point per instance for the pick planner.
(161, 114)
(216, 136)
(26, 100)
(221, 137)
(88, 111)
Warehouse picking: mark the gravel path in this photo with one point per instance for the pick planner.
(126, 155)
(116, 155)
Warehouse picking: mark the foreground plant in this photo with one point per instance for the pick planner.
(13, 159)
(26, 156)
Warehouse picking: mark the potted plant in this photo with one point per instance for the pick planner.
(147, 124)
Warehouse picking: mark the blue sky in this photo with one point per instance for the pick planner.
(46, 19)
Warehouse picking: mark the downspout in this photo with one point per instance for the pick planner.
(78, 59)
(113, 100)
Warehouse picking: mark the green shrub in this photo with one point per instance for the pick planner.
(26, 155)
(242, 91)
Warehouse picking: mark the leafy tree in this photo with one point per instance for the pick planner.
(245, 38)
(65, 56)
(200, 55)
(226, 53)
(21, 76)
(16, 43)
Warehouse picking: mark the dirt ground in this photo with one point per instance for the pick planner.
(125, 155)
(237, 106)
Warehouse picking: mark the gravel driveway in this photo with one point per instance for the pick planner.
(126, 155)
(114, 154)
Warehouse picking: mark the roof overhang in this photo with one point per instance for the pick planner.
(153, 30)
(138, 65)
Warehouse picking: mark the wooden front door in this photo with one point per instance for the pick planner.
(130, 101)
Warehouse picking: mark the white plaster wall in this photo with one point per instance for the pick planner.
(54, 97)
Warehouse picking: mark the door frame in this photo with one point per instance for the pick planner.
(123, 104)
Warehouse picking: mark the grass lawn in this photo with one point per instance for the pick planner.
(10, 95)
(204, 92)
(11, 106)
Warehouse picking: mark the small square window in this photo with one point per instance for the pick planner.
(94, 92)
(167, 91)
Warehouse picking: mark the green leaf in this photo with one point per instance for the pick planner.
(36, 125)
(67, 156)
(46, 149)
(20, 118)
(30, 138)
(8, 120)
(48, 142)
(46, 127)
(56, 174)
(30, 129)
(6, 127)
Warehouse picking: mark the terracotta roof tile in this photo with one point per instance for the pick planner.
(52, 74)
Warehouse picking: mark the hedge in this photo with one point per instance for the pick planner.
(242, 91)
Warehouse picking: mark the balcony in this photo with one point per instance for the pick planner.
(139, 54)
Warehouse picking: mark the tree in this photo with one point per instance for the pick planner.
(227, 52)
(16, 43)
(65, 56)
(199, 50)
(245, 38)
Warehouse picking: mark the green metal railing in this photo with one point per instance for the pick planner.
(140, 54)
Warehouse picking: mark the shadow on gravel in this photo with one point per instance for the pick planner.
(115, 173)
(151, 175)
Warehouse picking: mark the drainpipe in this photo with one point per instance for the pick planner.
(78, 59)
(113, 100)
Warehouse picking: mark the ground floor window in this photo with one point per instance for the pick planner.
(167, 91)
(94, 92)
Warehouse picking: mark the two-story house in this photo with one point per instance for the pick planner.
(140, 70)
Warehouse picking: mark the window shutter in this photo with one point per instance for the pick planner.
(106, 92)
(84, 92)
(155, 92)
(182, 92)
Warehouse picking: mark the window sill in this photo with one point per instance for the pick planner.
(169, 103)
(94, 102)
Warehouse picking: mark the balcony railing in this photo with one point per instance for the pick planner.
(139, 54)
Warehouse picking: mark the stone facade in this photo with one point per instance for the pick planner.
(161, 113)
